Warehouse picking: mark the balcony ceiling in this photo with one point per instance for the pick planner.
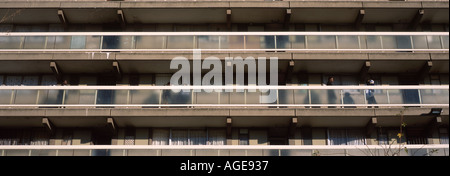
(218, 15)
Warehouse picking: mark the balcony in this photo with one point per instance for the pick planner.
(303, 42)
(223, 96)
(363, 150)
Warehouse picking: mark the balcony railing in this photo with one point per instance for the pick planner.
(152, 150)
(223, 96)
(225, 41)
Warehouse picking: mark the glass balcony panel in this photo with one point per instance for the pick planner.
(445, 41)
(232, 42)
(325, 96)
(237, 97)
(348, 42)
(389, 42)
(206, 98)
(78, 42)
(147, 96)
(62, 42)
(79, 97)
(50, 96)
(285, 96)
(283, 42)
(10, 42)
(373, 42)
(321, 42)
(404, 42)
(182, 97)
(5, 96)
(118, 42)
(302, 96)
(180, 42)
(404, 96)
(350, 97)
(150, 42)
(121, 97)
(105, 97)
(420, 42)
(434, 96)
(260, 42)
(209, 42)
(434, 42)
(298, 41)
(93, 42)
(253, 97)
(25, 97)
(34, 42)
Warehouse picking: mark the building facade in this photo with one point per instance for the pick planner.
(91, 77)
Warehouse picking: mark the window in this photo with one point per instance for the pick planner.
(416, 136)
(40, 137)
(129, 136)
(67, 137)
(443, 135)
(243, 137)
(160, 137)
(188, 137)
(388, 136)
(346, 137)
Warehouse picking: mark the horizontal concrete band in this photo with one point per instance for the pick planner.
(226, 4)
(117, 56)
(218, 112)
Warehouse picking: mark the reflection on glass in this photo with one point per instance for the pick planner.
(180, 42)
(5, 96)
(150, 42)
(10, 42)
(283, 42)
(434, 42)
(260, 42)
(232, 42)
(34, 42)
(50, 96)
(25, 97)
(145, 96)
(206, 98)
(209, 42)
(348, 42)
(420, 42)
(373, 42)
(322, 42)
(404, 42)
(298, 42)
(78, 42)
(389, 42)
(111, 42)
(62, 42)
(445, 40)
(433, 96)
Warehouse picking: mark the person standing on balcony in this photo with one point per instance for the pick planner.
(370, 93)
(331, 93)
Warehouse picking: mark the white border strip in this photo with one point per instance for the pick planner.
(220, 105)
(119, 87)
(226, 50)
(214, 33)
(231, 147)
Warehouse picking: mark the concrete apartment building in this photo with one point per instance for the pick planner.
(89, 77)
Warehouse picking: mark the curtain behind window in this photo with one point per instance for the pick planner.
(179, 137)
(197, 137)
(160, 137)
(217, 137)
(346, 137)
